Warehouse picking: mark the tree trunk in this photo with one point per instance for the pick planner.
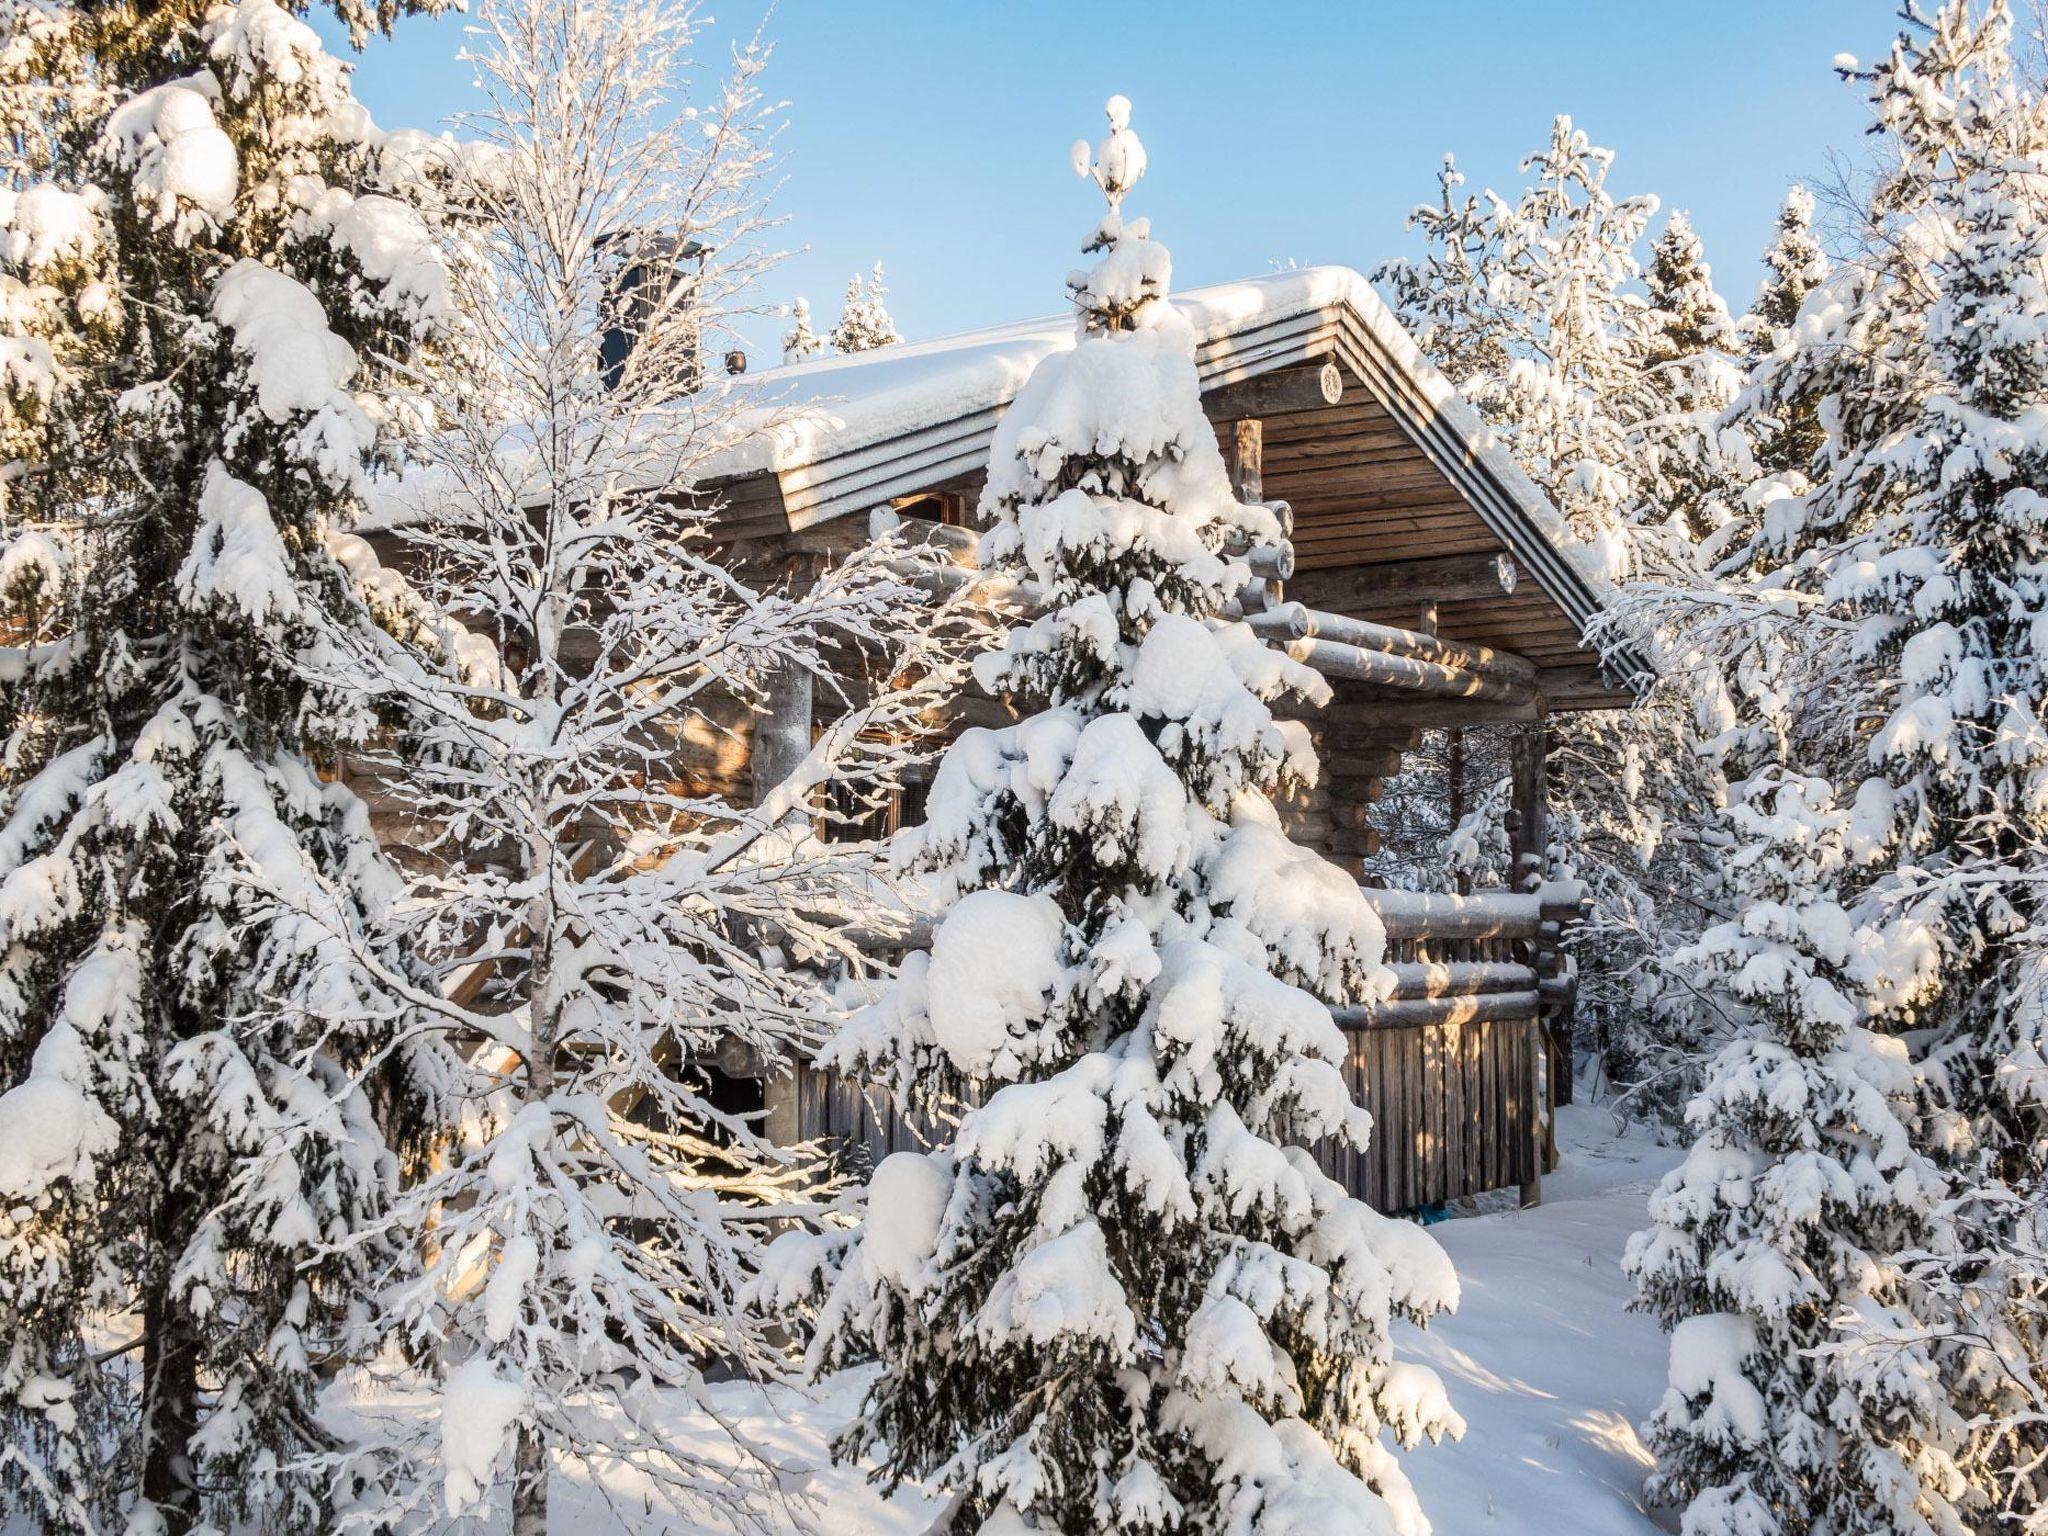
(170, 1407)
(530, 1484)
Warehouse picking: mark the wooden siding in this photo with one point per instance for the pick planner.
(1365, 494)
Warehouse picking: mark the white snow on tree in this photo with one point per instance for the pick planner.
(800, 342)
(1606, 397)
(1684, 473)
(205, 249)
(1531, 309)
(1802, 1188)
(1926, 530)
(611, 923)
(1124, 1296)
(864, 322)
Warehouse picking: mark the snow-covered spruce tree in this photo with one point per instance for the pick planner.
(1929, 363)
(1797, 267)
(1124, 1296)
(1775, 417)
(1786, 1216)
(1758, 665)
(800, 343)
(200, 257)
(1688, 382)
(864, 321)
(596, 1210)
(1786, 440)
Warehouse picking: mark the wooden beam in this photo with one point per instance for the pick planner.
(1336, 658)
(1448, 714)
(1395, 641)
(1492, 915)
(1275, 394)
(1582, 687)
(1245, 458)
(1406, 583)
(1424, 1012)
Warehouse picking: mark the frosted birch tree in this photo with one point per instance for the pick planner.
(202, 263)
(613, 915)
(1123, 1295)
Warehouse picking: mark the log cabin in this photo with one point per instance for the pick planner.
(1425, 577)
(1428, 580)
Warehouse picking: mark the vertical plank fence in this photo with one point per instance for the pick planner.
(1455, 1066)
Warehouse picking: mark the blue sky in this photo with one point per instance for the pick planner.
(932, 134)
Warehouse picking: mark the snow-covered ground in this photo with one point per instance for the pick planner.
(1549, 1368)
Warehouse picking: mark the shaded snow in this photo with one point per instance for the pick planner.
(1550, 1370)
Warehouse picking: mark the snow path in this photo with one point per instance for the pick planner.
(1549, 1368)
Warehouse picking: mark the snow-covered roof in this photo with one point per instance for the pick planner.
(844, 435)
(860, 430)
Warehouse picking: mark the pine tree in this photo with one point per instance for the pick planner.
(1124, 1296)
(203, 252)
(1777, 415)
(598, 1208)
(1800, 1188)
(864, 321)
(1797, 267)
(800, 343)
(1686, 316)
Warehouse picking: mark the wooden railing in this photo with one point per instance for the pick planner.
(1461, 1063)
(1457, 1063)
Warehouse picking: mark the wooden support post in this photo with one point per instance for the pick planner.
(1532, 832)
(1244, 456)
(1531, 865)
(782, 739)
(1455, 742)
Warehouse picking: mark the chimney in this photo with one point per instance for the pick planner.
(637, 264)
